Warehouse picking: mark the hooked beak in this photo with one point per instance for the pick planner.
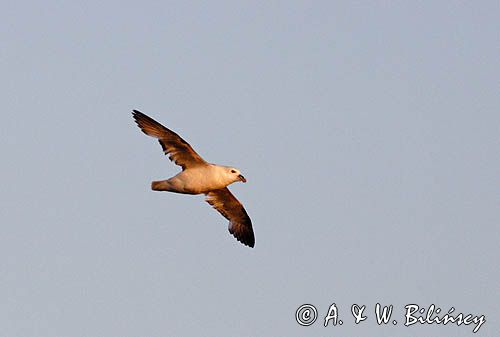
(242, 178)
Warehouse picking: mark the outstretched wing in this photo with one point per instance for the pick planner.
(179, 151)
(240, 224)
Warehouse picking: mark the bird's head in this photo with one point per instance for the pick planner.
(235, 174)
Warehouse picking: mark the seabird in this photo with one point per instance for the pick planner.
(199, 177)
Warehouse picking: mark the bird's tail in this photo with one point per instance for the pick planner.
(162, 185)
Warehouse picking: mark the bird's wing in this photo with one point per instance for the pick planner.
(179, 151)
(240, 224)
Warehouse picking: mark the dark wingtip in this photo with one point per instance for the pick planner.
(247, 241)
(251, 241)
(248, 244)
(137, 113)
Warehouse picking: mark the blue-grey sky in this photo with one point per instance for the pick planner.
(369, 134)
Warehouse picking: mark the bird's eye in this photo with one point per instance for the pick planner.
(233, 171)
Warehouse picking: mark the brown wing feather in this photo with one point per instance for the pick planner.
(178, 150)
(240, 224)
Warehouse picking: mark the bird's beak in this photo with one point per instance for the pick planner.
(242, 178)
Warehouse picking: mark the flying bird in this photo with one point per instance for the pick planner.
(199, 177)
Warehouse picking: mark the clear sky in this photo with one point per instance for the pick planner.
(369, 134)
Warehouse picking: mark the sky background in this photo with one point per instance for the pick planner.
(369, 134)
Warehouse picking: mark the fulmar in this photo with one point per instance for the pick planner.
(199, 177)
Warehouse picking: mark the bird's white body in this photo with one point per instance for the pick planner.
(198, 180)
